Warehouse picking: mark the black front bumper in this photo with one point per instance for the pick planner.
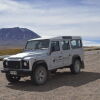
(19, 72)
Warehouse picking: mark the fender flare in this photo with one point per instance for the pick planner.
(78, 57)
(39, 62)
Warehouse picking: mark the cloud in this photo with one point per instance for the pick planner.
(47, 19)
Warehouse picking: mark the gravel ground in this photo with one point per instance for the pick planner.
(62, 86)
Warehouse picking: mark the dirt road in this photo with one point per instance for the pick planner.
(62, 86)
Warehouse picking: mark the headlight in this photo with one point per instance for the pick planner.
(25, 63)
(6, 63)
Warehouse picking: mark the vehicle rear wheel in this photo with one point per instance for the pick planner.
(12, 78)
(76, 66)
(39, 75)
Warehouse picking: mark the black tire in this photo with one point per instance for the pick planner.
(76, 66)
(12, 78)
(39, 75)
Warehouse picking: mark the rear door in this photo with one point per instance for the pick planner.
(66, 52)
(77, 49)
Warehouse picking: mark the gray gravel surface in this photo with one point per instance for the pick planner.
(62, 86)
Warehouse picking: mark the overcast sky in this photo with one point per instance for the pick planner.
(53, 17)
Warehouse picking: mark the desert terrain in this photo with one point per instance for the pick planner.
(61, 86)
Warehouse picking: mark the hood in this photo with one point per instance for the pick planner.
(29, 54)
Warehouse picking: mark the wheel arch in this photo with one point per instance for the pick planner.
(78, 57)
(42, 62)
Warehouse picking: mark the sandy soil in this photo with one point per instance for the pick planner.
(62, 86)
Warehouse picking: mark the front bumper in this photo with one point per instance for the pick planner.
(20, 72)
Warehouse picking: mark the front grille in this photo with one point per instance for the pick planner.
(14, 64)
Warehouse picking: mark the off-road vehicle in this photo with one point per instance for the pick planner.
(44, 55)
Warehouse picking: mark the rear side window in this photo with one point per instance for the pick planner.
(65, 45)
(76, 44)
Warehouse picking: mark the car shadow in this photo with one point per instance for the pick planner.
(56, 81)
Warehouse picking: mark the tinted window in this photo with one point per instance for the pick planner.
(76, 44)
(65, 45)
(55, 46)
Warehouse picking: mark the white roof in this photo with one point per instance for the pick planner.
(58, 37)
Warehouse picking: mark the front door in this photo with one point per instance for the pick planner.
(56, 55)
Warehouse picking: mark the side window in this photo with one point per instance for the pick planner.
(73, 44)
(55, 46)
(76, 44)
(65, 45)
(80, 43)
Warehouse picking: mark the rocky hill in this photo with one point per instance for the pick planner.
(15, 37)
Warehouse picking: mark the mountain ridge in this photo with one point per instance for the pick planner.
(14, 37)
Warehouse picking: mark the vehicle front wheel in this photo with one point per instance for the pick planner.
(12, 78)
(39, 75)
(76, 66)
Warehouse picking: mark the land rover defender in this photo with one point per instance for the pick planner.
(44, 55)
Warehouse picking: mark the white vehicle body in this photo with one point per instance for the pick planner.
(65, 49)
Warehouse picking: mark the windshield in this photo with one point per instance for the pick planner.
(37, 44)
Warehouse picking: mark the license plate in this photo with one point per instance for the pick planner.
(13, 72)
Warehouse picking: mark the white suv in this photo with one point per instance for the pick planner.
(44, 55)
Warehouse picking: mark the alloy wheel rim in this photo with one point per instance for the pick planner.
(40, 75)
